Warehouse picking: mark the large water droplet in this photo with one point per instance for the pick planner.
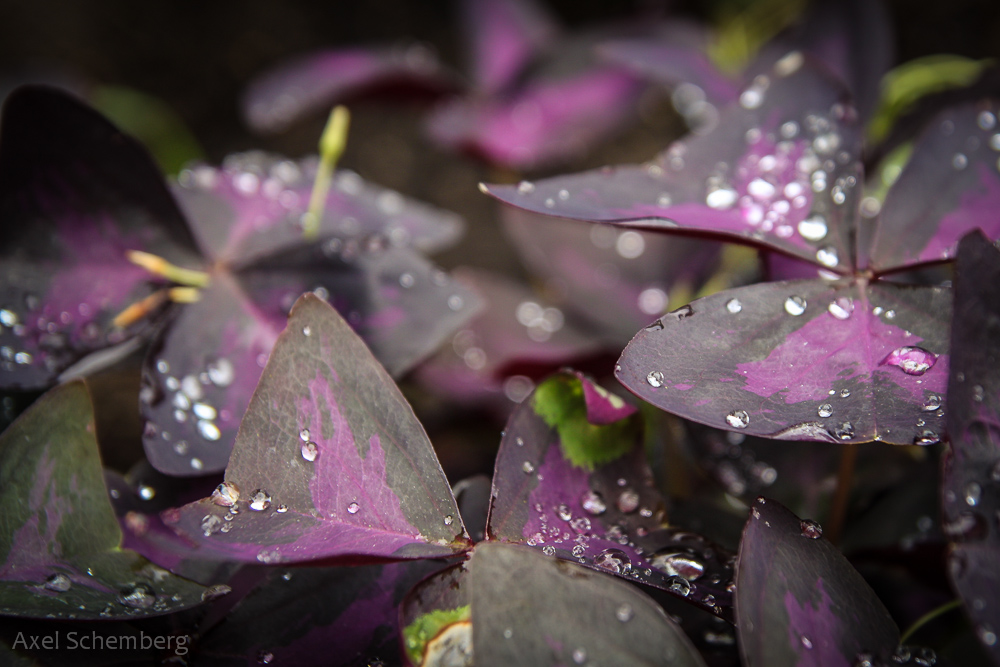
(628, 501)
(679, 564)
(226, 494)
(353, 508)
(931, 403)
(795, 305)
(723, 198)
(845, 431)
(825, 410)
(58, 582)
(593, 503)
(309, 451)
(137, 596)
(827, 256)
(813, 228)
(679, 585)
(911, 360)
(221, 372)
(615, 561)
(655, 379)
(810, 529)
(734, 306)
(260, 500)
(738, 419)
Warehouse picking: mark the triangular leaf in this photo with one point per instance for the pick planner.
(330, 461)
(60, 541)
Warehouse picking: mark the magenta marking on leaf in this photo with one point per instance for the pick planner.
(977, 208)
(810, 628)
(603, 407)
(567, 481)
(343, 476)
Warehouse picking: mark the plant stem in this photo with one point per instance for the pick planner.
(161, 267)
(845, 479)
(331, 147)
(928, 617)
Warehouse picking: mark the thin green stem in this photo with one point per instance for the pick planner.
(331, 147)
(928, 617)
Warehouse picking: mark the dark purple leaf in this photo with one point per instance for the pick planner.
(798, 600)
(801, 360)
(969, 485)
(60, 544)
(509, 605)
(504, 37)
(474, 495)
(617, 279)
(515, 333)
(252, 207)
(543, 122)
(779, 170)
(329, 463)
(348, 615)
(584, 492)
(315, 82)
(949, 186)
(75, 195)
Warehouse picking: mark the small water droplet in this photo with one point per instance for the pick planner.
(137, 596)
(209, 430)
(226, 494)
(353, 508)
(593, 503)
(827, 256)
(973, 492)
(525, 187)
(655, 379)
(260, 500)
(841, 308)
(281, 509)
(210, 523)
(309, 451)
(722, 198)
(795, 305)
(564, 513)
(932, 403)
(204, 411)
(825, 410)
(679, 585)
(579, 656)
(527, 467)
(810, 529)
(959, 161)
(813, 228)
(215, 592)
(806, 642)
(926, 437)
(613, 560)
(305, 435)
(406, 280)
(978, 393)
(845, 431)
(455, 302)
(911, 360)
(306, 330)
(677, 564)
(58, 582)
(734, 306)
(738, 419)
(449, 519)
(220, 372)
(628, 501)
(549, 550)
(624, 613)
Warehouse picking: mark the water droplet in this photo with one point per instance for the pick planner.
(959, 161)
(911, 360)
(813, 228)
(196, 463)
(845, 431)
(721, 199)
(655, 379)
(309, 451)
(210, 523)
(986, 635)
(973, 492)
(306, 330)
(137, 596)
(978, 393)
(204, 411)
(926, 437)
(806, 642)
(281, 509)
(628, 501)
(406, 280)
(146, 492)
(845, 393)
(564, 513)
(525, 187)
(825, 410)
(677, 564)
(527, 467)
(353, 508)
(221, 372)
(226, 494)
(579, 656)
(734, 306)
(215, 592)
(932, 403)
(827, 256)
(305, 435)
(795, 305)
(624, 613)
(758, 188)
(738, 419)
(58, 582)
(455, 302)
(449, 519)
(841, 308)
(614, 561)
(549, 550)
(208, 430)
(260, 500)
(751, 98)
(679, 585)
(593, 503)
(810, 529)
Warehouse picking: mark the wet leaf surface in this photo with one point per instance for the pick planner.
(60, 541)
(970, 499)
(798, 600)
(330, 462)
(801, 360)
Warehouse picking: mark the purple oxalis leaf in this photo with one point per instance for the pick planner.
(75, 195)
(584, 492)
(798, 600)
(769, 174)
(510, 605)
(802, 360)
(970, 501)
(314, 82)
(330, 462)
(60, 544)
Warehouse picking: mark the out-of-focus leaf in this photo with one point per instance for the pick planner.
(798, 600)
(584, 492)
(801, 360)
(315, 82)
(434, 618)
(60, 541)
(970, 498)
(75, 195)
(757, 177)
(348, 615)
(329, 463)
(152, 122)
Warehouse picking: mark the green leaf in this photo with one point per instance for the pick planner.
(428, 626)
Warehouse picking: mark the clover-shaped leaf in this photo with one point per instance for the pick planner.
(330, 462)
(798, 600)
(59, 540)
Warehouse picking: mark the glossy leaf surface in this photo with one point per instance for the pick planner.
(60, 541)
(316, 81)
(798, 600)
(582, 491)
(329, 463)
(969, 485)
(75, 195)
(801, 360)
(758, 177)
